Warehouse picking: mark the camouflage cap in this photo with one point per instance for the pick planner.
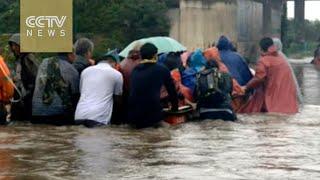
(15, 38)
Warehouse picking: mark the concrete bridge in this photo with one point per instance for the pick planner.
(199, 23)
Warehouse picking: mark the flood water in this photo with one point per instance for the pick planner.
(256, 147)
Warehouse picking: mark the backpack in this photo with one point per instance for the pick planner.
(213, 87)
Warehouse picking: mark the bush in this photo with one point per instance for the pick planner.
(298, 50)
(301, 49)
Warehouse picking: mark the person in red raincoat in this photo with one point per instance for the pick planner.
(6, 91)
(273, 85)
(127, 66)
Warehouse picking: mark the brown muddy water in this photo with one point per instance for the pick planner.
(256, 147)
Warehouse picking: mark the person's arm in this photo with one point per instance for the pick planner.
(75, 88)
(118, 90)
(247, 71)
(259, 78)
(117, 101)
(32, 65)
(173, 96)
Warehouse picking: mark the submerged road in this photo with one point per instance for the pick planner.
(256, 147)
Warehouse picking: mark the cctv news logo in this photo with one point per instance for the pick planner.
(50, 26)
(46, 25)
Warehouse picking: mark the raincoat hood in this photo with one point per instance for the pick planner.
(224, 44)
(212, 54)
(278, 44)
(272, 51)
(197, 61)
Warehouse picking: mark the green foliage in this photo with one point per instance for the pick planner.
(172, 3)
(117, 22)
(121, 22)
(4, 50)
(298, 50)
(9, 16)
(295, 48)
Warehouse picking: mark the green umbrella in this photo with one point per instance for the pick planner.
(164, 45)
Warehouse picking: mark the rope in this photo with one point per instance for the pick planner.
(14, 86)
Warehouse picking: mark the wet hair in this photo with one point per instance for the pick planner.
(148, 51)
(107, 57)
(265, 43)
(83, 46)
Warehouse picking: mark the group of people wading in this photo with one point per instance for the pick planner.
(217, 83)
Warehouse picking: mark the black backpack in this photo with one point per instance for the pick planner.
(213, 86)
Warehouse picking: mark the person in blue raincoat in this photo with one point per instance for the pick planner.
(195, 63)
(235, 63)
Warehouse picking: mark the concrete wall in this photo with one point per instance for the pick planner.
(199, 23)
(250, 26)
(174, 16)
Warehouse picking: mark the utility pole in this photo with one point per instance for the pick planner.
(267, 21)
(299, 18)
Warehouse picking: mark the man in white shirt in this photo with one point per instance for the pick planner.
(100, 88)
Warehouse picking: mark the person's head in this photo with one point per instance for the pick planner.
(14, 44)
(265, 44)
(224, 43)
(277, 42)
(69, 56)
(173, 61)
(110, 58)
(212, 54)
(148, 51)
(134, 54)
(84, 47)
(198, 61)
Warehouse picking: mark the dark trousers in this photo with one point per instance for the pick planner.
(223, 115)
(22, 111)
(89, 123)
(57, 120)
(3, 114)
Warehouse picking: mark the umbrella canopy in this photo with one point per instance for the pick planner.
(164, 45)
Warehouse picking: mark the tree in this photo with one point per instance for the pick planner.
(118, 22)
(9, 16)
(121, 21)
